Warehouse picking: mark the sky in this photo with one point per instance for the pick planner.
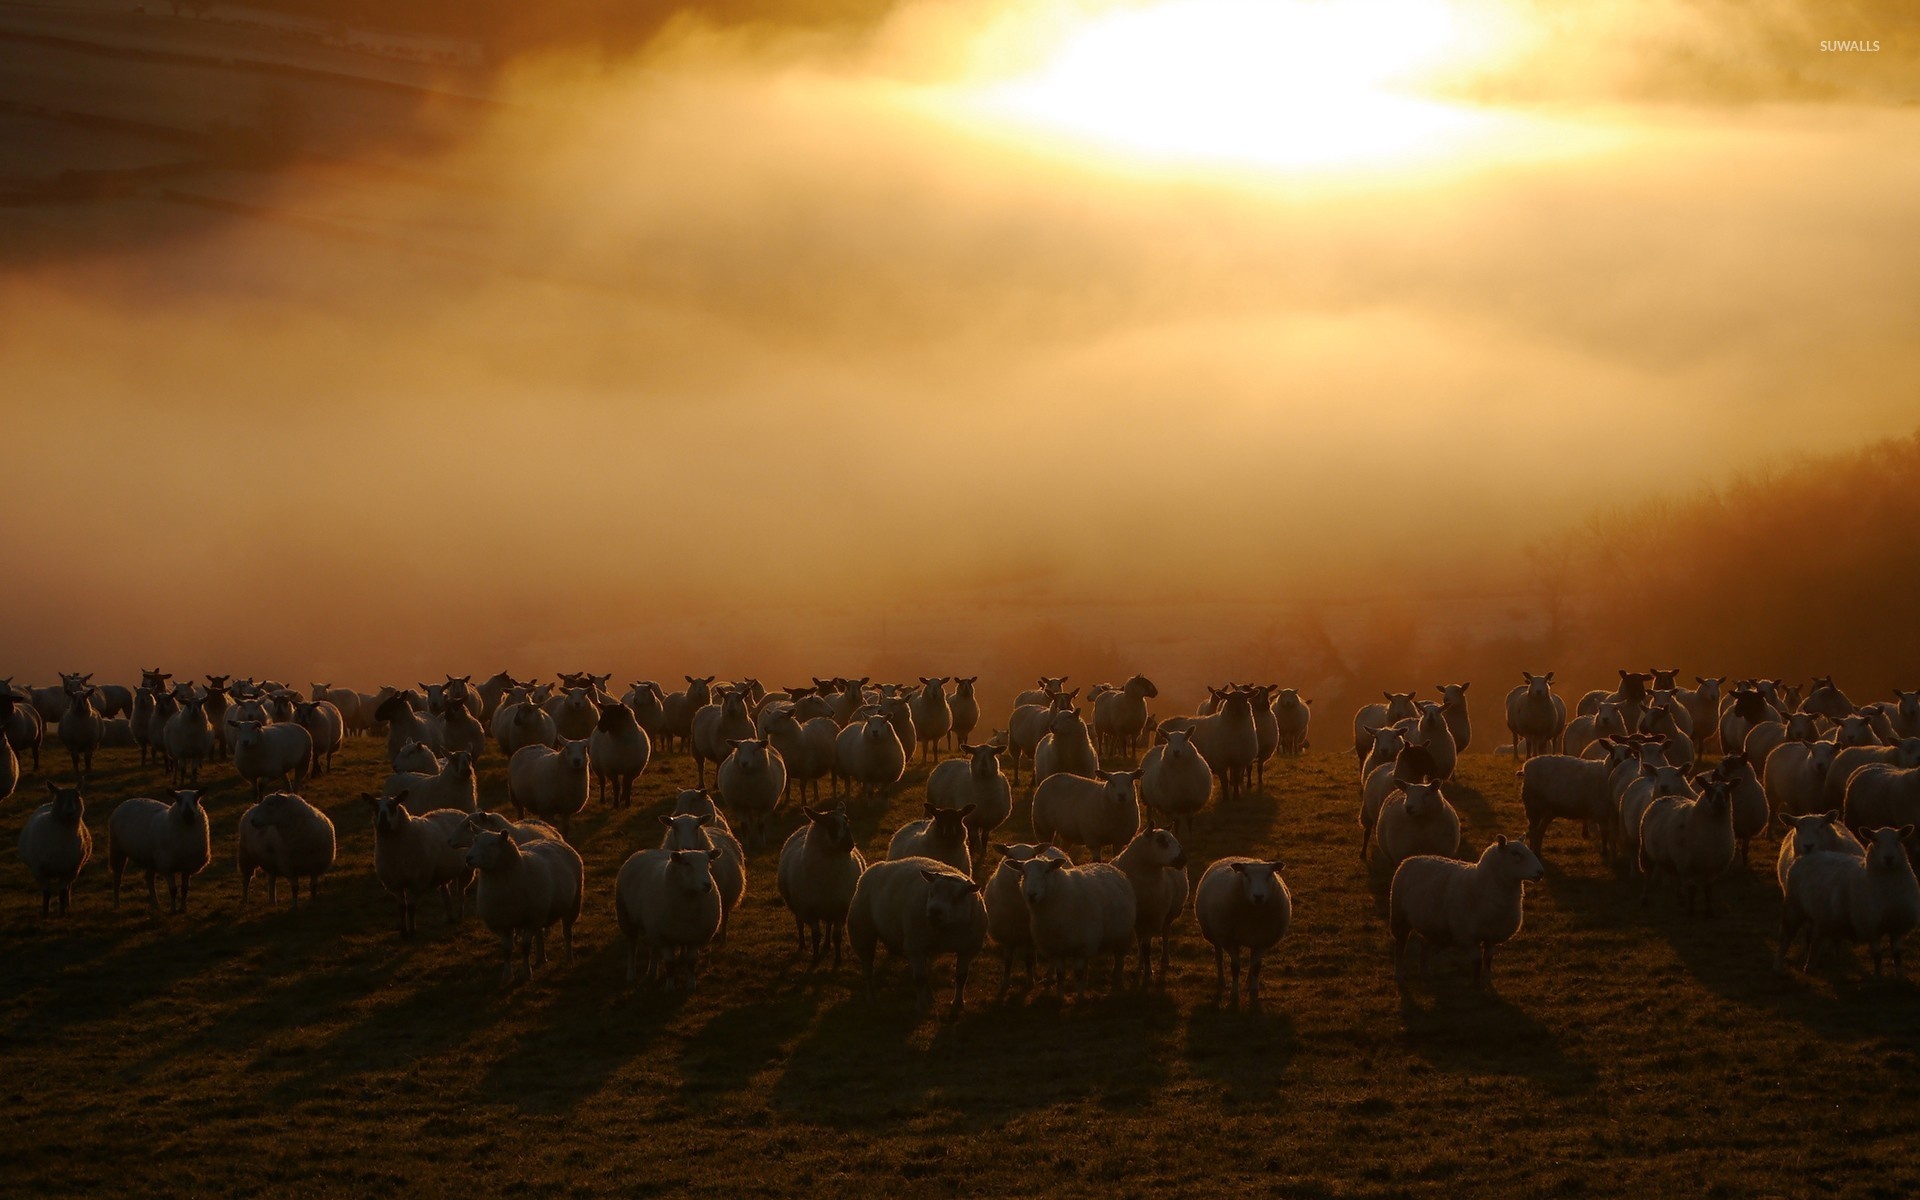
(976, 308)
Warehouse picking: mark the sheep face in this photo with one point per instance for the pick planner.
(1036, 879)
(67, 803)
(1423, 800)
(691, 870)
(949, 897)
(1259, 881)
(750, 756)
(1512, 861)
(1667, 781)
(1120, 786)
(1179, 746)
(1014, 854)
(687, 831)
(1164, 849)
(950, 824)
(574, 755)
(491, 850)
(986, 759)
(1540, 686)
(1141, 688)
(833, 825)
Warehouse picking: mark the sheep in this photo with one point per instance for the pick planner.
(189, 740)
(1766, 737)
(900, 715)
(1749, 799)
(870, 753)
(166, 838)
(1067, 748)
(1536, 718)
(1826, 700)
(551, 784)
(1399, 707)
(283, 835)
(81, 729)
(405, 726)
(1586, 731)
(819, 869)
(1266, 729)
(919, 909)
(1096, 812)
(717, 727)
(1702, 703)
(1436, 738)
(976, 784)
(1905, 714)
(1850, 760)
(1078, 914)
(574, 714)
(808, 749)
(9, 767)
(1689, 839)
(111, 701)
(523, 724)
(1811, 834)
(523, 889)
(56, 844)
(1475, 906)
(1031, 722)
(461, 728)
(1883, 794)
(667, 906)
(1050, 686)
(678, 709)
(965, 707)
(1649, 784)
(1560, 786)
(145, 698)
(751, 781)
(1242, 904)
(932, 715)
(942, 834)
(1175, 781)
(1659, 719)
(1796, 777)
(848, 700)
(413, 855)
(691, 831)
(1291, 717)
(345, 700)
(22, 724)
(1416, 819)
(271, 752)
(531, 830)
(1747, 708)
(619, 750)
(1008, 922)
(51, 702)
(649, 706)
(1837, 896)
(325, 727)
(1119, 716)
(1155, 864)
(1227, 739)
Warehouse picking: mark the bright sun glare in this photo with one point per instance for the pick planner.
(1271, 83)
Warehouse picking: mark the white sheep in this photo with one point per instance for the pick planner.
(1008, 922)
(941, 835)
(717, 727)
(1242, 904)
(405, 725)
(461, 727)
(807, 748)
(1453, 702)
(1416, 819)
(966, 709)
(1120, 715)
(1155, 864)
(1475, 906)
(1690, 839)
(932, 714)
(325, 726)
(974, 783)
(1562, 787)
(869, 752)
(1097, 812)
(1588, 729)
(1536, 717)
(523, 889)
(283, 835)
(271, 753)
(160, 838)
(1883, 794)
(413, 855)
(21, 722)
(1079, 914)
(551, 784)
(1292, 719)
(1661, 719)
(819, 868)
(918, 909)
(187, 736)
(1811, 834)
(1648, 784)
(1067, 748)
(700, 831)
(81, 728)
(1749, 798)
(667, 905)
(1836, 896)
(1796, 777)
(1031, 722)
(55, 845)
(1175, 780)
(530, 830)
(1227, 739)
(750, 782)
(1399, 707)
(1826, 700)
(453, 785)
(1050, 686)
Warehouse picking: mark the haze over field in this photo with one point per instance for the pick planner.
(1033, 308)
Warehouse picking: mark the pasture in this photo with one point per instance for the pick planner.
(256, 1051)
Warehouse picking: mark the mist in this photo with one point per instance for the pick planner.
(757, 351)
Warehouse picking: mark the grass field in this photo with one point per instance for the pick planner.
(251, 1051)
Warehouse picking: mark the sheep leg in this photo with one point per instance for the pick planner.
(1119, 970)
(1146, 960)
(153, 893)
(566, 938)
(961, 966)
(838, 931)
(1424, 947)
(633, 958)
(46, 900)
(1234, 999)
(1400, 960)
(540, 950)
(1255, 959)
(1219, 973)
(922, 985)
(506, 953)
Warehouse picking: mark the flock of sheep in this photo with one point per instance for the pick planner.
(1841, 781)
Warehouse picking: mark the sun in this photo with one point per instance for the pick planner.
(1276, 83)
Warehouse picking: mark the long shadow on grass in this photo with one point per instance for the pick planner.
(1457, 1028)
(736, 1044)
(870, 1062)
(1247, 1051)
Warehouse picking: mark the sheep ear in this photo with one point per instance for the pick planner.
(930, 876)
(667, 821)
(967, 811)
(1055, 864)
(713, 853)
(1499, 839)
(930, 808)
(1238, 868)
(1277, 866)
(970, 886)
(1002, 849)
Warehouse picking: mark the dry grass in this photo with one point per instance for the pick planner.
(1628, 1052)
